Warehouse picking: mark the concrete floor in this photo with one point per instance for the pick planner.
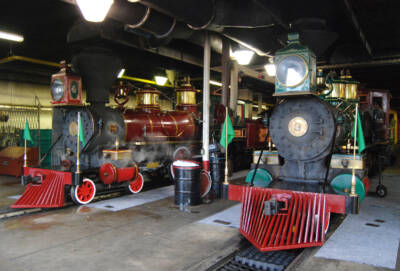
(391, 179)
(9, 186)
(154, 236)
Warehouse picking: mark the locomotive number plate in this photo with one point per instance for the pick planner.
(297, 126)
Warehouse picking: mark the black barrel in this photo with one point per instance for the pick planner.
(217, 168)
(187, 182)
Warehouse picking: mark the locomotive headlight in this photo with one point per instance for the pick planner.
(57, 90)
(292, 70)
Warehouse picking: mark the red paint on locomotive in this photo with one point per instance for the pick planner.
(147, 121)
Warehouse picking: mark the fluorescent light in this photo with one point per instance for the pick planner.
(133, 1)
(243, 57)
(160, 80)
(215, 83)
(94, 10)
(270, 69)
(11, 36)
(121, 73)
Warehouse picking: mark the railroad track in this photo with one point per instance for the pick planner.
(10, 213)
(248, 258)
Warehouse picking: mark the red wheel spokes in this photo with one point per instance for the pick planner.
(85, 191)
(136, 184)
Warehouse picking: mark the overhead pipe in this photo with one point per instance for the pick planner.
(136, 15)
(372, 63)
(111, 30)
(30, 60)
(206, 15)
(197, 14)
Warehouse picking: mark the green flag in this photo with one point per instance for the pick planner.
(360, 134)
(27, 132)
(81, 132)
(231, 132)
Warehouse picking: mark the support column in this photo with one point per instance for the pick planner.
(260, 100)
(225, 72)
(234, 87)
(206, 103)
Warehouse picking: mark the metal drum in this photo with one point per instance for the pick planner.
(187, 182)
(217, 170)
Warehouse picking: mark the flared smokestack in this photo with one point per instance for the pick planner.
(98, 68)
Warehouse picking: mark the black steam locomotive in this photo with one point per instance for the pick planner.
(318, 166)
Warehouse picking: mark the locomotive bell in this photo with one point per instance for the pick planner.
(66, 87)
(351, 87)
(148, 99)
(186, 98)
(296, 69)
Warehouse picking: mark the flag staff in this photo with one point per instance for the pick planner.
(78, 169)
(353, 175)
(25, 155)
(226, 146)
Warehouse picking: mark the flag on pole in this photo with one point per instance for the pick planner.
(360, 134)
(81, 132)
(27, 132)
(226, 139)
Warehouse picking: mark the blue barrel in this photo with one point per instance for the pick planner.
(187, 182)
(217, 172)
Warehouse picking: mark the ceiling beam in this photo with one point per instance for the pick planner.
(372, 63)
(357, 27)
(273, 12)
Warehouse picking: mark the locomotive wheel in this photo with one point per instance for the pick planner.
(136, 185)
(171, 171)
(84, 193)
(381, 191)
(205, 183)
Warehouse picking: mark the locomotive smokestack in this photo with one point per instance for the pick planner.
(98, 68)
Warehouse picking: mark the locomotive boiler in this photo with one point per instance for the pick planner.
(315, 169)
(119, 143)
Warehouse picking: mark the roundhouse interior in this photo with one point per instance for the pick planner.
(143, 39)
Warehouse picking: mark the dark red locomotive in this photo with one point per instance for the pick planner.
(119, 142)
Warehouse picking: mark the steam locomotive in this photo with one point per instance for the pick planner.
(120, 143)
(315, 169)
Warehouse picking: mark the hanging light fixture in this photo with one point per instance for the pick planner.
(215, 83)
(11, 36)
(121, 73)
(160, 80)
(243, 56)
(94, 10)
(270, 67)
